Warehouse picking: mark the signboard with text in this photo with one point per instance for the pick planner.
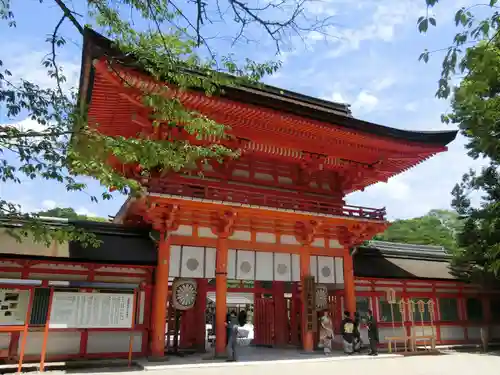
(91, 310)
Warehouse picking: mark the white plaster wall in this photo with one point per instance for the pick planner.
(113, 342)
(57, 343)
(451, 333)
(4, 340)
(474, 333)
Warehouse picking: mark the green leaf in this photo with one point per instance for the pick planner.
(423, 25)
(432, 21)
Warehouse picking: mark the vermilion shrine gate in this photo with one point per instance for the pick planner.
(274, 216)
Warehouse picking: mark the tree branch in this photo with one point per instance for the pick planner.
(68, 13)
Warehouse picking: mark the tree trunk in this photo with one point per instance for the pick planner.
(485, 338)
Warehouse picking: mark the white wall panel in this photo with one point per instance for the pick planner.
(295, 267)
(326, 270)
(57, 343)
(313, 266)
(264, 267)
(193, 260)
(210, 262)
(451, 333)
(231, 264)
(339, 270)
(282, 267)
(245, 269)
(117, 342)
(175, 261)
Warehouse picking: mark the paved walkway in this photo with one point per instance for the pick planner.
(449, 364)
(452, 364)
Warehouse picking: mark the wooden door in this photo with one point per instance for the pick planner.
(263, 321)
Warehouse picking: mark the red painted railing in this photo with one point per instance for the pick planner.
(259, 197)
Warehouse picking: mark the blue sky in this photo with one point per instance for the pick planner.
(368, 59)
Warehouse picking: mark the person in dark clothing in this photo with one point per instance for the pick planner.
(228, 328)
(347, 331)
(242, 318)
(372, 333)
(356, 333)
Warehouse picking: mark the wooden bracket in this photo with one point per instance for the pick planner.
(224, 223)
(306, 230)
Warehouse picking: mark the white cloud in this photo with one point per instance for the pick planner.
(411, 106)
(383, 83)
(26, 124)
(365, 103)
(380, 22)
(49, 204)
(422, 188)
(85, 211)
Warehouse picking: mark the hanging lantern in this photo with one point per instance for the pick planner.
(421, 306)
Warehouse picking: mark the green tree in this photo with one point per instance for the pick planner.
(68, 213)
(438, 227)
(475, 109)
(170, 39)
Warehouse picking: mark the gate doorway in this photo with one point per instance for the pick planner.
(257, 299)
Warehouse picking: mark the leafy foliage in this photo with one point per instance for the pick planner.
(174, 41)
(438, 227)
(475, 109)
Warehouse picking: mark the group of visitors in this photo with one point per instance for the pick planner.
(351, 335)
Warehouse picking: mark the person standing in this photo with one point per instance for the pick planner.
(326, 333)
(372, 333)
(356, 334)
(347, 330)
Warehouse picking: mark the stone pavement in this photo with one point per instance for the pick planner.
(452, 364)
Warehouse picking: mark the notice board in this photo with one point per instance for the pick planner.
(91, 310)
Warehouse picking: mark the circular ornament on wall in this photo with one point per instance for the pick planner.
(184, 293)
(321, 297)
(245, 267)
(326, 271)
(282, 268)
(192, 264)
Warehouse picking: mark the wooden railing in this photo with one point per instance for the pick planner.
(260, 197)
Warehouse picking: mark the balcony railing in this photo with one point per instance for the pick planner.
(281, 200)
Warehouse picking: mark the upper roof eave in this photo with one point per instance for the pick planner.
(96, 46)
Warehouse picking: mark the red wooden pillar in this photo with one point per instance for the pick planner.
(307, 336)
(221, 296)
(349, 287)
(280, 322)
(159, 306)
(223, 229)
(295, 314)
(201, 307)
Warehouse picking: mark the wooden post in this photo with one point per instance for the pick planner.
(25, 330)
(221, 295)
(46, 332)
(201, 307)
(307, 336)
(349, 288)
(131, 338)
(160, 297)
